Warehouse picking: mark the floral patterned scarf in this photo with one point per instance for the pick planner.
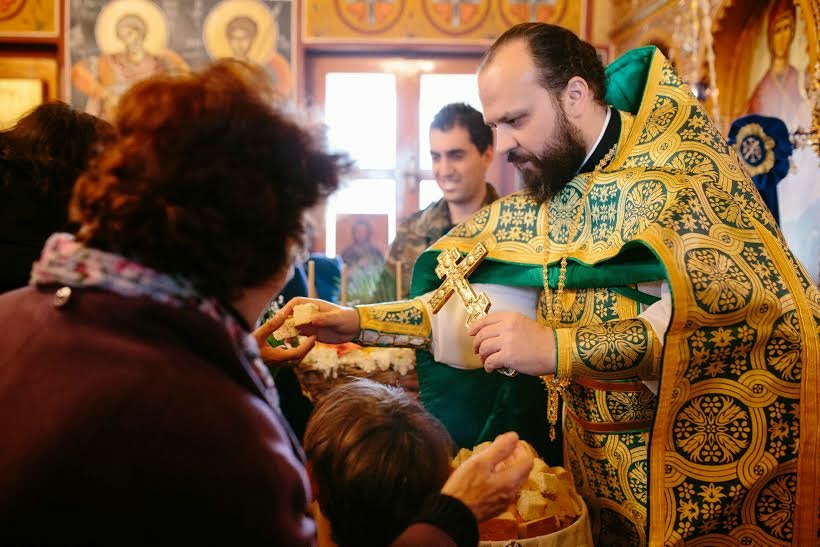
(66, 261)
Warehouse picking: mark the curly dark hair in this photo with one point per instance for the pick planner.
(207, 180)
(40, 159)
(559, 55)
(469, 118)
(374, 454)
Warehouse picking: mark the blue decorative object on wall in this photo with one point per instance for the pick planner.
(764, 148)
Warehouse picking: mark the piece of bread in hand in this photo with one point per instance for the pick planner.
(286, 331)
(303, 313)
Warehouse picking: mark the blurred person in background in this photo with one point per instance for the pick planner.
(40, 158)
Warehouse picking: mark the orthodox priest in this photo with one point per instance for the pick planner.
(639, 277)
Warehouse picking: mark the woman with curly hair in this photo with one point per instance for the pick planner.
(40, 158)
(134, 405)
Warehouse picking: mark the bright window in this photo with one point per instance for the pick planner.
(428, 193)
(360, 114)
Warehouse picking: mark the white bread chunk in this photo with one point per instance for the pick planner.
(566, 505)
(287, 330)
(531, 505)
(552, 485)
(562, 474)
(303, 313)
(546, 484)
(538, 466)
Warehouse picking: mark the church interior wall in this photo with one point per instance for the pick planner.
(59, 49)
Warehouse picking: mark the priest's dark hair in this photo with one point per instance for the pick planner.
(558, 54)
(207, 179)
(464, 115)
(374, 454)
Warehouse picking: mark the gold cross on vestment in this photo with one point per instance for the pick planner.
(455, 273)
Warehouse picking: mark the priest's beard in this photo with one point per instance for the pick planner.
(559, 161)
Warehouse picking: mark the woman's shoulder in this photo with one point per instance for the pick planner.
(132, 366)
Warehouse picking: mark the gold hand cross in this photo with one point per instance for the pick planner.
(455, 270)
(455, 275)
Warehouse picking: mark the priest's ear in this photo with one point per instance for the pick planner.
(576, 97)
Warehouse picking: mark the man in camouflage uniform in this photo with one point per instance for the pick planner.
(461, 147)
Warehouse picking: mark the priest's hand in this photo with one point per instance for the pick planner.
(509, 339)
(332, 324)
(280, 355)
(488, 482)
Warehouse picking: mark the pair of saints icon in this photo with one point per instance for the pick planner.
(132, 37)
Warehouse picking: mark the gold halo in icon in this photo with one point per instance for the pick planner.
(140, 12)
(251, 16)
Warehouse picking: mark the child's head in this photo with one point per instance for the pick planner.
(374, 454)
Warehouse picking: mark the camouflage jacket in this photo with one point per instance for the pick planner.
(414, 235)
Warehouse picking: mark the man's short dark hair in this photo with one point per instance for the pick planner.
(375, 454)
(558, 55)
(469, 118)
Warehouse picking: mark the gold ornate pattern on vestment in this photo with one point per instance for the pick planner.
(608, 411)
(612, 346)
(729, 463)
(474, 225)
(403, 323)
(736, 350)
(509, 228)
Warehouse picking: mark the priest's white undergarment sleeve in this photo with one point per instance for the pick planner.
(451, 345)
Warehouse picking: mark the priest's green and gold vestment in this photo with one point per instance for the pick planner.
(726, 452)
